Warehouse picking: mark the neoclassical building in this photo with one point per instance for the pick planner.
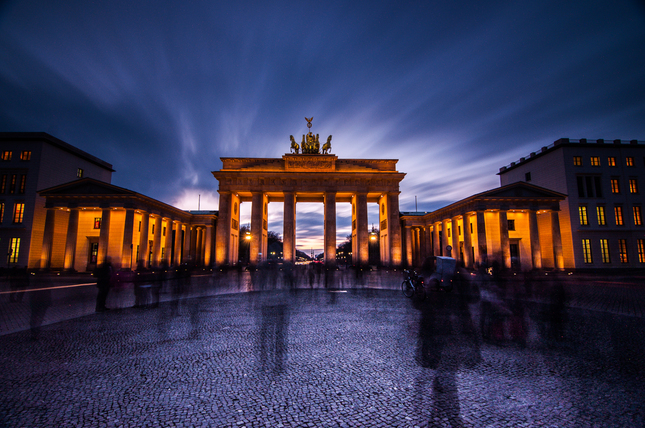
(89, 220)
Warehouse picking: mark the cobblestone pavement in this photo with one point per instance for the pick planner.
(529, 352)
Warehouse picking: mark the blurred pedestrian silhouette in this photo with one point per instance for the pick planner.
(273, 338)
(18, 282)
(103, 275)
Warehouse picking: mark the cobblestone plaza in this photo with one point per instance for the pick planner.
(242, 350)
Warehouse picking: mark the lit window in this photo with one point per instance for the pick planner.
(582, 211)
(615, 185)
(14, 250)
(604, 249)
(511, 224)
(638, 219)
(595, 161)
(163, 253)
(25, 156)
(618, 212)
(586, 250)
(633, 185)
(600, 212)
(629, 161)
(3, 184)
(622, 248)
(23, 184)
(577, 161)
(97, 222)
(79, 173)
(641, 251)
(1, 212)
(6, 155)
(18, 212)
(611, 161)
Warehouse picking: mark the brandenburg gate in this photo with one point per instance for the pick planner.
(308, 175)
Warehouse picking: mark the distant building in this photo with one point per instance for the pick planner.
(601, 219)
(30, 161)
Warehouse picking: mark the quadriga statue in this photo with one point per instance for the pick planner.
(327, 146)
(294, 146)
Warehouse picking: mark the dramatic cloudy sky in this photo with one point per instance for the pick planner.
(454, 89)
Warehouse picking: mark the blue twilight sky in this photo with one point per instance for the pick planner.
(454, 89)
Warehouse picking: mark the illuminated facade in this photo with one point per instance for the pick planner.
(308, 177)
(30, 161)
(88, 220)
(515, 226)
(601, 219)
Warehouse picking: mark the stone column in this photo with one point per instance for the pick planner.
(208, 245)
(330, 228)
(394, 221)
(143, 240)
(178, 243)
(104, 236)
(455, 238)
(70, 241)
(503, 239)
(156, 248)
(468, 242)
(536, 249)
(446, 240)
(289, 231)
(48, 239)
(223, 233)
(408, 246)
(168, 242)
(436, 244)
(257, 214)
(481, 238)
(362, 231)
(188, 244)
(128, 231)
(558, 257)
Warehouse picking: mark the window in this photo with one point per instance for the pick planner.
(622, 249)
(25, 155)
(97, 222)
(615, 185)
(604, 249)
(3, 184)
(18, 212)
(611, 161)
(6, 155)
(459, 230)
(618, 212)
(595, 161)
(163, 232)
(577, 161)
(633, 185)
(153, 228)
(163, 253)
(448, 233)
(582, 211)
(139, 225)
(23, 183)
(1, 212)
(79, 173)
(600, 212)
(14, 250)
(586, 250)
(12, 186)
(629, 161)
(589, 186)
(641, 251)
(638, 219)
(527, 176)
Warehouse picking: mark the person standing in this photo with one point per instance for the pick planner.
(103, 275)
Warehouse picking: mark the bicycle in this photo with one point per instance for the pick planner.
(413, 285)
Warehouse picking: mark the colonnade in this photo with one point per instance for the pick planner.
(228, 227)
(483, 236)
(129, 237)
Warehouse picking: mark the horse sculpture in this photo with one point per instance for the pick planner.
(294, 146)
(327, 146)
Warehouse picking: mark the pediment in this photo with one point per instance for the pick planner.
(85, 186)
(520, 190)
